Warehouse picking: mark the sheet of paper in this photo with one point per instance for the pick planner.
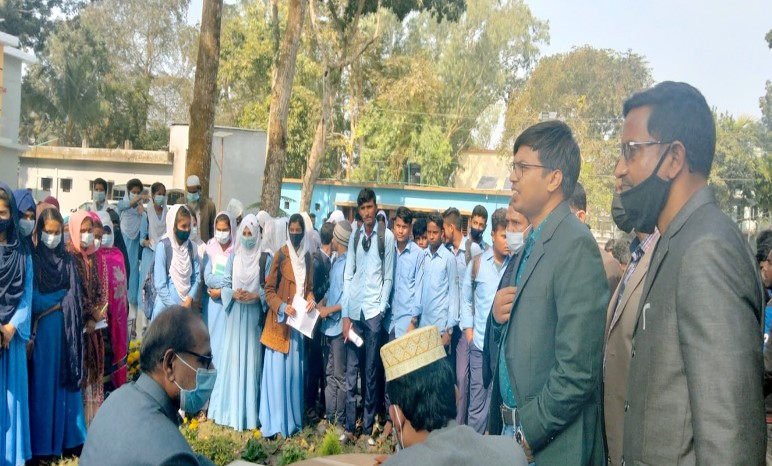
(218, 265)
(99, 325)
(304, 322)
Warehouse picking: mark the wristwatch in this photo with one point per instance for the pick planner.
(449, 331)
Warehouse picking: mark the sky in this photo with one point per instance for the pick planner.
(716, 46)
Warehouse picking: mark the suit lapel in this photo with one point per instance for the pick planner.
(638, 275)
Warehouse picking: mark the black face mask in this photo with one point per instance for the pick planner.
(5, 224)
(182, 235)
(619, 215)
(644, 202)
(296, 239)
(476, 234)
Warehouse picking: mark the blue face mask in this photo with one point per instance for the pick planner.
(5, 224)
(194, 400)
(26, 227)
(99, 196)
(182, 235)
(192, 197)
(249, 242)
(132, 196)
(159, 200)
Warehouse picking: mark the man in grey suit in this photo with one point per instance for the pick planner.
(138, 424)
(695, 384)
(546, 386)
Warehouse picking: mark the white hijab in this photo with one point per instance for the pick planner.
(246, 262)
(310, 234)
(156, 228)
(181, 268)
(298, 259)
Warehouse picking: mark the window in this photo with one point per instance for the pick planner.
(65, 184)
(46, 183)
(286, 205)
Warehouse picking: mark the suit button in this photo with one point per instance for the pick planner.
(633, 352)
(623, 461)
(627, 406)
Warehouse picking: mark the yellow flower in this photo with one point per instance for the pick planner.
(185, 420)
(256, 433)
(193, 424)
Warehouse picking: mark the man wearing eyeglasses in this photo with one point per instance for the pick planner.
(695, 382)
(549, 320)
(138, 423)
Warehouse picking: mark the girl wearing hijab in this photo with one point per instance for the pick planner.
(132, 213)
(218, 252)
(179, 283)
(235, 400)
(57, 420)
(15, 310)
(281, 401)
(27, 212)
(112, 274)
(93, 310)
(152, 229)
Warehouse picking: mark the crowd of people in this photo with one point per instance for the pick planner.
(647, 351)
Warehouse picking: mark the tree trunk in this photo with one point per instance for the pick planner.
(202, 108)
(330, 86)
(281, 91)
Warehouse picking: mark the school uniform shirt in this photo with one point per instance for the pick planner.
(439, 291)
(366, 290)
(408, 276)
(477, 296)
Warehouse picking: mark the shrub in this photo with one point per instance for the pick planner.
(255, 452)
(291, 454)
(330, 444)
(220, 449)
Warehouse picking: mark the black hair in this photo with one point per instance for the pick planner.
(621, 251)
(182, 212)
(578, 199)
(157, 186)
(763, 245)
(499, 219)
(556, 148)
(100, 181)
(426, 396)
(679, 112)
(405, 214)
(325, 234)
(434, 218)
(172, 329)
(452, 216)
(366, 195)
(297, 218)
(223, 217)
(134, 183)
(49, 214)
(419, 227)
(480, 211)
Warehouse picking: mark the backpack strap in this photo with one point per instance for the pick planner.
(475, 271)
(468, 250)
(382, 248)
(356, 244)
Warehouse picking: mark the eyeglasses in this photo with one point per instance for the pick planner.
(205, 361)
(518, 167)
(630, 148)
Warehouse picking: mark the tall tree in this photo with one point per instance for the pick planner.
(32, 21)
(202, 110)
(281, 89)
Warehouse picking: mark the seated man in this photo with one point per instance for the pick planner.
(420, 384)
(138, 424)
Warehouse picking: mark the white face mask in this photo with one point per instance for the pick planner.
(222, 236)
(51, 241)
(107, 240)
(97, 244)
(399, 443)
(515, 241)
(86, 240)
(26, 226)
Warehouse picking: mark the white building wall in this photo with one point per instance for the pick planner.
(81, 172)
(243, 156)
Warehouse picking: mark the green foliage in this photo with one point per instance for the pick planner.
(220, 449)
(32, 21)
(330, 444)
(736, 150)
(255, 452)
(291, 453)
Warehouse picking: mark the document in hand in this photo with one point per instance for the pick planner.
(304, 322)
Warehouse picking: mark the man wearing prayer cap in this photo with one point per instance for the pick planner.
(202, 206)
(236, 208)
(336, 217)
(420, 384)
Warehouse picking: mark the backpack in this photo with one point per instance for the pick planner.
(149, 292)
(475, 270)
(468, 250)
(381, 234)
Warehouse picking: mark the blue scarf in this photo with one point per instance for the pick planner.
(55, 270)
(25, 202)
(13, 262)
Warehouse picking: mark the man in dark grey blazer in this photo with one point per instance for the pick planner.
(695, 383)
(546, 386)
(138, 424)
